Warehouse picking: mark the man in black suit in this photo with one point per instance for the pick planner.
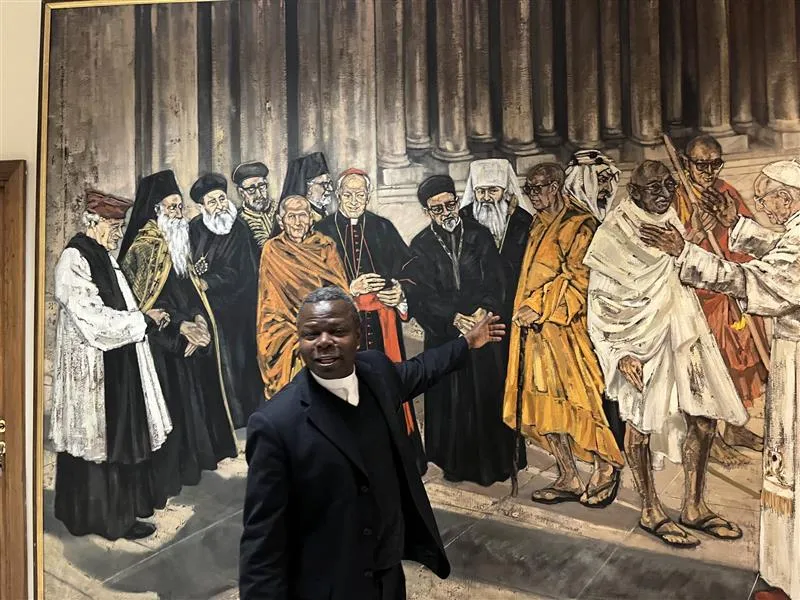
(334, 501)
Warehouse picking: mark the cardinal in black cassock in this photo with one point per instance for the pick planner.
(464, 430)
(156, 257)
(308, 176)
(382, 273)
(226, 263)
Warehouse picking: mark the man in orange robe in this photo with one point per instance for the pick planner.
(293, 264)
(703, 162)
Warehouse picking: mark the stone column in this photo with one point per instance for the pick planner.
(645, 82)
(672, 57)
(516, 68)
(544, 103)
(610, 70)
(451, 43)
(758, 64)
(714, 97)
(479, 105)
(783, 126)
(741, 71)
(262, 85)
(225, 124)
(583, 74)
(416, 75)
(309, 85)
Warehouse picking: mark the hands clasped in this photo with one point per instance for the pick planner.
(160, 316)
(196, 333)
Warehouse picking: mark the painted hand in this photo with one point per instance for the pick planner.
(667, 239)
(463, 323)
(525, 317)
(367, 284)
(393, 296)
(161, 317)
(487, 330)
(721, 205)
(631, 369)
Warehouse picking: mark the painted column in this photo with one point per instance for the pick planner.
(479, 106)
(610, 70)
(416, 75)
(544, 103)
(583, 74)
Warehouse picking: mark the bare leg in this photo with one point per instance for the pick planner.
(600, 486)
(568, 486)
(726, 455)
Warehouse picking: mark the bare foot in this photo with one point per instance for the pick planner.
(738, 435)
(602, 484)
(656, 523)
(723, 454)
(703, 519)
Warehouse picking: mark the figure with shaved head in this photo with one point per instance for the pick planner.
(659, 358)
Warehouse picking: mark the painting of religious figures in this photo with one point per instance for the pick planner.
(617, 182)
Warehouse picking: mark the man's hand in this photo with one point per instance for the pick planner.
(489, 329)
(161, 317)
(463, 323)
(479, 314)
(525, 317)
(393, 296)
(196, 332)
(667, 239)
(190, 349)
(368, 283)
(721, 205)
(631, 369)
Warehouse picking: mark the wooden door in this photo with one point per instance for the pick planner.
(13, 564)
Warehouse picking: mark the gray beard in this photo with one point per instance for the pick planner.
(450, 224)
(493, 217)
(176, 233)
(220, 223)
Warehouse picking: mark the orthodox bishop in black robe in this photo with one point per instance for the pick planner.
(308, 176)
(463, 275)
(156, 258)
(224, 259)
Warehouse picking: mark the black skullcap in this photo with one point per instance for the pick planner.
(208, 183)
(433, 186)
(247, 170)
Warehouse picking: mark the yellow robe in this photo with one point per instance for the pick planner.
(561, 381)
(289, 271)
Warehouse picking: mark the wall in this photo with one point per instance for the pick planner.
(19, 95)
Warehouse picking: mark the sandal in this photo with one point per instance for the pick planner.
(612, 484)
(661, 535)
(711, 524)
(551, 495)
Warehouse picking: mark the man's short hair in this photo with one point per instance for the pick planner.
(551, 171)
(331, 293)
(293, 198)
(356, 172)
(703, 140)
(90, 219)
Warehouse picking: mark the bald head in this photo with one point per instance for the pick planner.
(543, 186)
(294, 215)
(704, 160)
(652, 187)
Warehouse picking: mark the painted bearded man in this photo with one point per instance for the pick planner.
(258, 208)
(308, 176)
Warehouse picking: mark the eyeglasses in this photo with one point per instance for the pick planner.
(759, 200)
(251, 189)
(439, 209)
(655, 187)
(532, 189)
(708, 166)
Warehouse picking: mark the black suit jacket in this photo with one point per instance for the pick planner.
(306, 484)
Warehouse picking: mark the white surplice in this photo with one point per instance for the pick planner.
(85, 329)
(769, 286)
(637, 306)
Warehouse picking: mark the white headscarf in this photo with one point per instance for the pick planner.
(581, 180)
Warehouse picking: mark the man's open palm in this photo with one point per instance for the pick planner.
(488, 329)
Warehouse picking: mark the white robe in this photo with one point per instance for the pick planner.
(85, 329)
(637, 306)
(769, 286)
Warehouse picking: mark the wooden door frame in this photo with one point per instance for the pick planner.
(12, 375)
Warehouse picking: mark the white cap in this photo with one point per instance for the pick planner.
(786, 172)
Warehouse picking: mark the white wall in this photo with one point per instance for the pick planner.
(19, 97)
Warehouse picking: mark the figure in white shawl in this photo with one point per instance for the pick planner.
(108, 414)
(659, 358)
(768, 286)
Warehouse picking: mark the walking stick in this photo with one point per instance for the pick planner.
(693, 195)
(523, 334)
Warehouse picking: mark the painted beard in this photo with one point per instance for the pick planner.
(492, 215)
(176, 233)
(259, 204)
(220, 223)
(450, 223)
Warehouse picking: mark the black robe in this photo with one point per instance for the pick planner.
(202, 434)
(106, 498)
(232, 279)
(384, 252)
(464, 430)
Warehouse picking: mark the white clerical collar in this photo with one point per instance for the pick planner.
(354, 221)
(345, 388)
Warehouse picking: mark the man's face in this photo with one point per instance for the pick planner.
(705, 163)
(172, 206)
(296, 221)
(353, 196)
(605, 187)
(215, 202)
(541, 191)
(320, 190)
(108, 232)
(443, 210)
(490, 194)
(329, 337)
(254, 192)
(653, 191)
(773, 199)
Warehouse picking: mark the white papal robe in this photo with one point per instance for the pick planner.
(768, 286)
(637, 306)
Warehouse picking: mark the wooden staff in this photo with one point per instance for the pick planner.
(693, 195)
(523, 334)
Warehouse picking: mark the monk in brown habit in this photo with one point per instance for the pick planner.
(293, 264)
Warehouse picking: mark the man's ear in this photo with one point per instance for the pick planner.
(633, 191)
(786, 197)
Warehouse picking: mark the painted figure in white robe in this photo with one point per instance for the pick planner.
(768, 286)
(659, 358)
(108, 414)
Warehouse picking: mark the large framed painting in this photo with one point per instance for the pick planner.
(204, 165)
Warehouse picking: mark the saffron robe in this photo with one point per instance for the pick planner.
(289, 272)
(769, 287)
(735, 343)
(555, 369)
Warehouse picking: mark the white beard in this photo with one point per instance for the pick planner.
(176, 232)
(450, 224)
(492, 216)
(221, 223)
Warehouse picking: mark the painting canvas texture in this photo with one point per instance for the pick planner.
(617, 179)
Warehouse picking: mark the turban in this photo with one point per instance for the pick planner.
(433, 186)
(786, 172)
(106, 205)
(248, 170)
(208, 183)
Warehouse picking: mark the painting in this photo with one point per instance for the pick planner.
(616, 179)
